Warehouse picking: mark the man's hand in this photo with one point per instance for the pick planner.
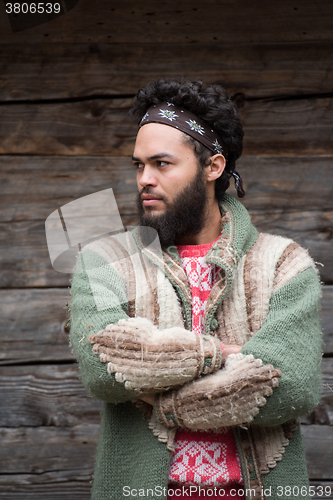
(227, 349)
(230, 349)
(231, 396)
(146, 359)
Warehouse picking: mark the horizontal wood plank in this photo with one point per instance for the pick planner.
(61, 460)
(36, 450)
(321, 489)
(285, 195)
(25, 262)
(45, 395)
(255, 70)
(58, 485)
(32, 325)
(102, 127)
(53, 395)
(191, 21)
(33, 187)
(318, 444)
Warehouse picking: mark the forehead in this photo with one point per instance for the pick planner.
(153, 138)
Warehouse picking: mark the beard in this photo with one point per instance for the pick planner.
(185, 216)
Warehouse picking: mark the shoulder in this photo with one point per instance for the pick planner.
(280, 257)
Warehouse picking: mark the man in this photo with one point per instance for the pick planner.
(204, 376)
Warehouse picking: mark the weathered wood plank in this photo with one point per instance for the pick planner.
(33, 187)
(281, 186)
(36, 450)
(58, 485)
(102, 127)
(321, 489)
(24, 257)
(65, 456)
(45, 395)
(25, 262)
(285, 195)
(32, 325)
(284, 127)
(53, 395)
(191, 21)
(256, 70)
(318, 444)
(323, 413)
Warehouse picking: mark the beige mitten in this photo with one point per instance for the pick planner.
(148, 359)
(231, 396)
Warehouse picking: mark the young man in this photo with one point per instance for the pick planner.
(204, 376)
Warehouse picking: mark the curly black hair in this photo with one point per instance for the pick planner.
(211, 103)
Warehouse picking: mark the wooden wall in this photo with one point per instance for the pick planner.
(65, 91)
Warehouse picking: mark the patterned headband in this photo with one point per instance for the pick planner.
(187, 122)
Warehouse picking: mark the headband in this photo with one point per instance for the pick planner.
(187, 122)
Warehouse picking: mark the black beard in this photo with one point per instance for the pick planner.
(186, 216)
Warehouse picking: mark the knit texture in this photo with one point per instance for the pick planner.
(204, 458)
(287, 336)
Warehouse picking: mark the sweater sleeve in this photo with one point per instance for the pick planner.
(291, 340)
(275, 377)
(105, 288)
(130, 358)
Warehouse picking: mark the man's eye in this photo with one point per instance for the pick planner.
(138, 165)
(162, 163)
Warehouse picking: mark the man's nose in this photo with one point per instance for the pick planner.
(147, 177)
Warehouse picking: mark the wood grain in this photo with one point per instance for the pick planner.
(318, 444)
(25, 262)
(280, 197)
(277, 187)
(102, 127)
(32, 325)
(92, 69)
(53, 395)
(191, 21)
(45, 395)
(60, 460)
(36, 450)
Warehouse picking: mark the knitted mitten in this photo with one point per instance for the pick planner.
(148, 359)
(231, 396)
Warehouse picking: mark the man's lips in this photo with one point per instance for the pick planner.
(150, 199)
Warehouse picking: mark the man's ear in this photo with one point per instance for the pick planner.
(216, 167)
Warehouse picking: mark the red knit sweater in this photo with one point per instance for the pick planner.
(203, 458)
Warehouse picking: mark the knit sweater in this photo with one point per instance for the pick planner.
(206, 458)
(266, 299)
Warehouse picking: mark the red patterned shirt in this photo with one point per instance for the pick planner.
(206, 458)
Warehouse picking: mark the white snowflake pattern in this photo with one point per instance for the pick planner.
(200, 462)
(145, 116)
(218, 147)
(195, 126)
(166, 113)
(170, 104)
(196, 306)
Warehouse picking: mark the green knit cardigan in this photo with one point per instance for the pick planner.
(130, 458)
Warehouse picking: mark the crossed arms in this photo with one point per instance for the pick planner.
(130, 359)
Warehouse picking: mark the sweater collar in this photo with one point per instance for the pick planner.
(237, 236)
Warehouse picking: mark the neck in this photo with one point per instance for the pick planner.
(211, 229)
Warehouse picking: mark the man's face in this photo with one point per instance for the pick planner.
(172, 194)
